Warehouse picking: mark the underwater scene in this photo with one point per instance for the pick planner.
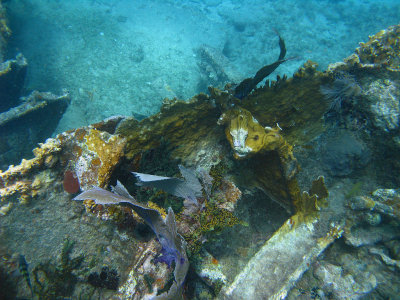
(199, 149)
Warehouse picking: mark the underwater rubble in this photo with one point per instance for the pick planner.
(215, 68)
(276, 217)
(20, 131)
(24, 121)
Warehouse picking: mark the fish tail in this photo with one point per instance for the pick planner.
(281, 45)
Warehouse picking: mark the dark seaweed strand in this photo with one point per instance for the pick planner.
(282, 47)
(247, 85)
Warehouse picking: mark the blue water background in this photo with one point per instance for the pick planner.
(124, 57)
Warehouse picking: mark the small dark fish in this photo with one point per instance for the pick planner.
(247, 85)
(23, 269)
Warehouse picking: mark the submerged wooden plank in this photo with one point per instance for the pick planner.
(276, 267)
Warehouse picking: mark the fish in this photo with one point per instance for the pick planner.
(23, 269)
(172, 243)
(247, 85)
(188, 188)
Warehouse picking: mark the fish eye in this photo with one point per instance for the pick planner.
(255, 137)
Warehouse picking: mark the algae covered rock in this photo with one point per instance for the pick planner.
(384, 99)
(91, 154)
(342, 286)
(387, 201)
(382, 49)
(343, 152)
(186, 127)
(247, 137)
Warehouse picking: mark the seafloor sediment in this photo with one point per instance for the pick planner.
(124, 57)
(254, 233)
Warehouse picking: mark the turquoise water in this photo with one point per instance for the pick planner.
(124, 57)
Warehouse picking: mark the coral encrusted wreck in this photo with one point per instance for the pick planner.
(248, 230)
(24, 121)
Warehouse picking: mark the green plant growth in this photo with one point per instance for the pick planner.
(52, 281)
(212, 220)
(217, 172)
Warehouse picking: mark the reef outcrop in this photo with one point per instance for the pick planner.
(89, 154)
(247, 137)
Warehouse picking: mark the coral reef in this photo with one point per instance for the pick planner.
(248, 137)
(308, 204)
(89, 153)
(95, 154)
(209, 270)
(188, 188)
(106, 279)
(382, 49)
(343, 89)
(289, 253)
(173, 246)
(146, 278)
(71, 182)
(21, 183)
(366, 225)
(269, 130)
(341, 286)
(186, 127)
(374, 66)
(294, 103)
(34, 102)
(343, 153)
(383, 97)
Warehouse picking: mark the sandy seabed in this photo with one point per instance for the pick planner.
(124, 57)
